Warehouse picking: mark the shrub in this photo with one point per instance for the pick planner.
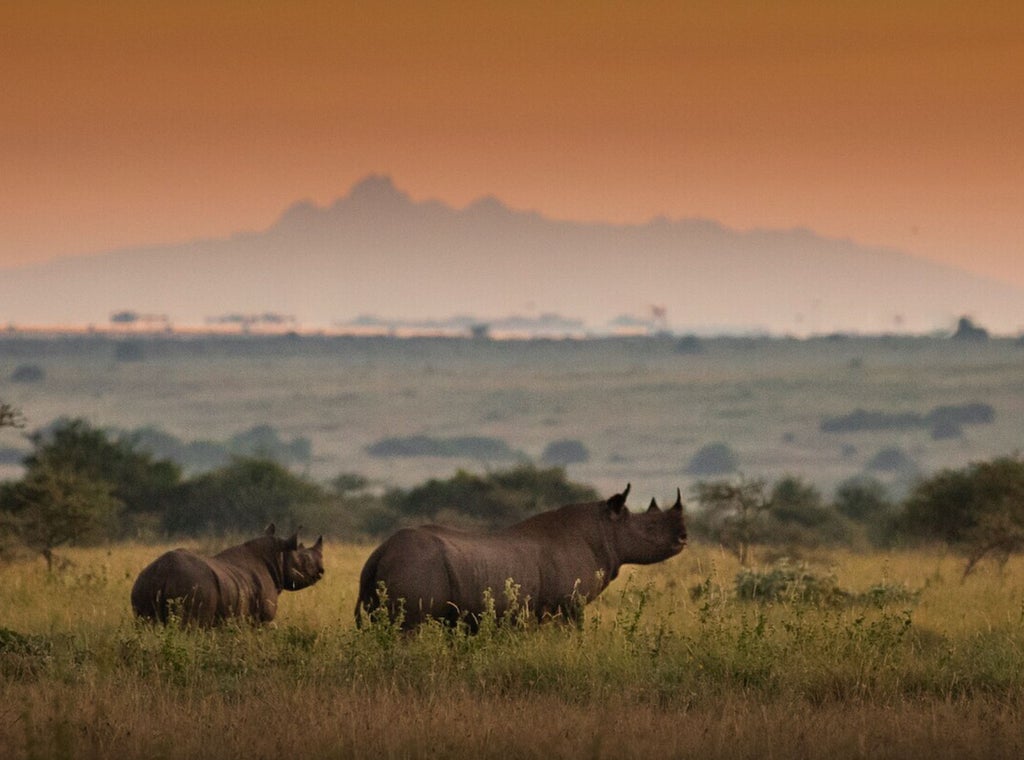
(498, 498)
(713, 459)
(788, 582)
(795, 501)
(891, 459)
(733, 514)
(140, 482)
(689, 344)
(564, 452)
(861, 498)
(469, 447)
(28, 373)
(264, 442)
(967, 330)
(55, 505)
(949, 415)
(129, 351)
(862, 419)
(244, 496)
(979, 509)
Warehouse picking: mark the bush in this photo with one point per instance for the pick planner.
(944, 417)
(800, 518)
(862, 419)
(263, 441)
(786, 582)
(497, 499)
(56, 505)
(861, 499)
(713, 459)
(129, 351)
(733, 514)
(689, 344)
(564, 452)
(795, 501)
(28, 373)
(468, 447)
(891, 459)
(979, 509)
(242, 497)
(140, 482)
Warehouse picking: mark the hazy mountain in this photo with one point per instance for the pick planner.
(376, 252)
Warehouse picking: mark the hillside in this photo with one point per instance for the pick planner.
(378, 252)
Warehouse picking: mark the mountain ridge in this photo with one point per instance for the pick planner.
(377, 251)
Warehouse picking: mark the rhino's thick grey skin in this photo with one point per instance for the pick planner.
(243, 581)
(559, 559)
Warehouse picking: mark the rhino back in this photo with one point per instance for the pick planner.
(203, 590)
(441, 573)
(178, 578)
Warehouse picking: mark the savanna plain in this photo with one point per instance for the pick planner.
(910, 660)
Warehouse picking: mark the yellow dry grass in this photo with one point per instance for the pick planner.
(651, 673)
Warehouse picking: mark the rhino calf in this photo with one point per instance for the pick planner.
(243, 581)
(559, 559)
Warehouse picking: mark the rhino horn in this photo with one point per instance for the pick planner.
(654, 506)
(319, 543)
(679, 500)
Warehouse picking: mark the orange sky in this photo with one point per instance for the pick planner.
(900, 124)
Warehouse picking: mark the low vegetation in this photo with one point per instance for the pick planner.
(795, 624)
(81, 485)
(868, 655)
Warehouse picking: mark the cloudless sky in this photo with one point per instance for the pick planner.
(892, 123)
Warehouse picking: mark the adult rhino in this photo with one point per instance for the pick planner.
(240, 582)
(559, 559)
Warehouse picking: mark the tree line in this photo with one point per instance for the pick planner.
(83, 484)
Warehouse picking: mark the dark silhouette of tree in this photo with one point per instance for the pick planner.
(565, 451)
(967, 330)
(248, 493)
(978, 509)
(57, 505)
(713, 459)
(496, 499)
(10, 417)
(139, 482)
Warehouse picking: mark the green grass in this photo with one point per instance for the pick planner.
(651, 672)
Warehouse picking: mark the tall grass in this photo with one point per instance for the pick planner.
(908, 661)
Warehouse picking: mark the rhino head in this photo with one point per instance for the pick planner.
(647, 537)
(303, 566)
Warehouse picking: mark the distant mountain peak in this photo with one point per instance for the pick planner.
(376, 190)
(375, 249)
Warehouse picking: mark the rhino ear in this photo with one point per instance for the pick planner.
(679, 500)
(654, 506)
(618, 502)
(292, 542)
(271, 529)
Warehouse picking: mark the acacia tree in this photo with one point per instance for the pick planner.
(143, 484)
(53, 506)
(736, 512)
(978, 510)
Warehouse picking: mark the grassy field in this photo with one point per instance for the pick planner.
(641, 407)
(915, 663)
